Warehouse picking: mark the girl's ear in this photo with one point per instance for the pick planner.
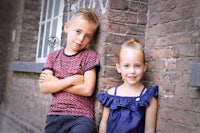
(145, 67)
(118, 68)
(66, 27)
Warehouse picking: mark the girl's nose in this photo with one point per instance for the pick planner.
(132, 69)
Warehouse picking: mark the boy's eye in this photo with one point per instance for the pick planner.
(88, 37)
(78, 31)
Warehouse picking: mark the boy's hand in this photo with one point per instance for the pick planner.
(45, 76)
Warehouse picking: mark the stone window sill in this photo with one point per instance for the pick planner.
(26, 67)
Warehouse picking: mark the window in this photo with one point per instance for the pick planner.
(50, 28)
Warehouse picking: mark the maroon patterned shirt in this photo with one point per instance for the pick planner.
(62, 65)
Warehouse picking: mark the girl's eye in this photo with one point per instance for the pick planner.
(138, 66)
(126, 66)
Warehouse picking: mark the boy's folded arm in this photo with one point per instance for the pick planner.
(87, 87)
(50, 84)
(49, 87)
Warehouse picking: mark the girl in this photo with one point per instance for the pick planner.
(130, 107)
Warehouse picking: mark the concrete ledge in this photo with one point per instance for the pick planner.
(26, 67)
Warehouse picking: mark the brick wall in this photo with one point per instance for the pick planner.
(23, 104)
(172, 42)
(29, 32)
(168, 29)
(5, 36)
(122, 20)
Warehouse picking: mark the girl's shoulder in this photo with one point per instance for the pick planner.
(152, 91)
(111, 91)
(109, 99)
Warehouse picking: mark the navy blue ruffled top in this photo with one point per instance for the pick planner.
(127, 114)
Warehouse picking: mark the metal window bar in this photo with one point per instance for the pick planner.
(42, 48)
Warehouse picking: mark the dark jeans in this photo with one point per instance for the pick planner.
(69, 124)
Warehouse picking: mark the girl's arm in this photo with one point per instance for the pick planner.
(104, 119)
(151, 116)
(87, 87)
(50, 84)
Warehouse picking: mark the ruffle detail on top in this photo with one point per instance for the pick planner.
(131, 103)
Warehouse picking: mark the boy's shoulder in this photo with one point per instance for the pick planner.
(89, 52)
(56, 52)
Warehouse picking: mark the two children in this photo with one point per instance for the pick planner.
(130, 107)
(69, 74)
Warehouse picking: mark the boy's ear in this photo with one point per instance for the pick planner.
(118, 68)
(66, 26)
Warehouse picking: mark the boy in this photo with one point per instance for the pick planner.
(69, 74)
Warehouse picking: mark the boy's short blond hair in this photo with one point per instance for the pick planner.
(87, 14)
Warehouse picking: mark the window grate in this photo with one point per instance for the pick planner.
(50, 26)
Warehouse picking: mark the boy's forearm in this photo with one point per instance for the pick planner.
(86, 86)
(53, 86)
(80, 89)
(49, 87)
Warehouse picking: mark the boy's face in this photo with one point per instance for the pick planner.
(80, 34)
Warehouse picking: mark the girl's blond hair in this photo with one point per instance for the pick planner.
(133, 44)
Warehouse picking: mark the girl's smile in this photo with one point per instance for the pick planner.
(131, 66)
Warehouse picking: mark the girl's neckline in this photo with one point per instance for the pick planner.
(141, 93)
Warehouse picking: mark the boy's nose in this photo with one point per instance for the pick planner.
(81, 37)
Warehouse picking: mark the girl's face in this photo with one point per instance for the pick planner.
(131, 66)
(80, 33)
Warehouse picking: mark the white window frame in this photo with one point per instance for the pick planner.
(43, 48)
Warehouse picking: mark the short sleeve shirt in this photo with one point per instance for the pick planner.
(62, 65)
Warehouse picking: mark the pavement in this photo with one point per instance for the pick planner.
(6, 125)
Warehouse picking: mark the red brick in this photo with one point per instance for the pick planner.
(138, 7)
(135, 30)
(150, 42)
(119, 4)
(117, 28)
(123, 17)
(195, 37)
(153, 65)
(115, 39)
(111, 60)
(186, 50)
(179, 116)
(142, 19)
(159, 53)
(112, 49)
